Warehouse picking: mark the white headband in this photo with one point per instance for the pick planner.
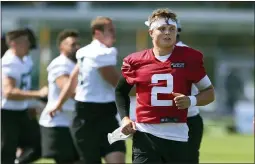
(160, 22)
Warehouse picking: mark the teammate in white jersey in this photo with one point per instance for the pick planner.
(195, 121)
(95, 108)
(57, 142)
(16, 79)
(30, 144)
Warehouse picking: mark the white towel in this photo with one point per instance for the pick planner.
(117, 135)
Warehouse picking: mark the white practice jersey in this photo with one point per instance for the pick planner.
(28, 60)
(32, 103)
(60, 66)
(91, 86)
(192, 111)
(18, 69)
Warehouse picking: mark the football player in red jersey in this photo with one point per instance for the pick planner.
(163, 76)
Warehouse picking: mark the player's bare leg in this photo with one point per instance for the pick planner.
(19, 152)
(115, 157)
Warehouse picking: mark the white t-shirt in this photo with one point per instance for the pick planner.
(171, 131)
(60, 66)
(91, 86)
(16, 68)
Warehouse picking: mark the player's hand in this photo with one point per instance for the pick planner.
(43, 91)
(53, 111)
(128, 126)
(181, 101)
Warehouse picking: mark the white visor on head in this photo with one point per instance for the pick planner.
(160, 22)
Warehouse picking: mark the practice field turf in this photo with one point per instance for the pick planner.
(222, 148)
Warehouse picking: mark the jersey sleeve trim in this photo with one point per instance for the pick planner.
(204, 83)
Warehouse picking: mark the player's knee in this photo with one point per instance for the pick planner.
(115, 157)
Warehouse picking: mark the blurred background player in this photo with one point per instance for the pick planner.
(234, 92)
(57, 142)
(194, 121)
(16, 81)
(28, 152)
(160, 133)
(95, 108)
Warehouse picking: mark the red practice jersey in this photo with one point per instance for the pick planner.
(155, 81)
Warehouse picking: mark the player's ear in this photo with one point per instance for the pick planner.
(61, 45)
(151, 33)
(98, 32)
(11, 43)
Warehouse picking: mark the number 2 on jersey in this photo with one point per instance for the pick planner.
(156, 89)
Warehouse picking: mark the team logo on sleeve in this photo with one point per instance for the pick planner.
(177, 65)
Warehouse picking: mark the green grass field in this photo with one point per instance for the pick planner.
(221, 148)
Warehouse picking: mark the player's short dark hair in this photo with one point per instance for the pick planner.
(12, 35)
(4, 47)
(99, 23)
(162, 13)
(32, 38)
(65, 34)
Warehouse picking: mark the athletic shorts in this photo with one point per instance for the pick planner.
(148, 148)
(57, 143)
(15, 127)
(91, 124)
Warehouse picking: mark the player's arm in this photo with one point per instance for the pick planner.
(201, 80)
(11, 92)
(106, 67)
(126, 82)
(61, 81)
(124, 86)
(69, 88)
(123, 103)
(110, 74)
(122, 97)
(206, 93)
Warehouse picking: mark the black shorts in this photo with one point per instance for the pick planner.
(15, 125)
(57, 143)
(196, 128)
(151, 149)
(91, 124)
(34, 134)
